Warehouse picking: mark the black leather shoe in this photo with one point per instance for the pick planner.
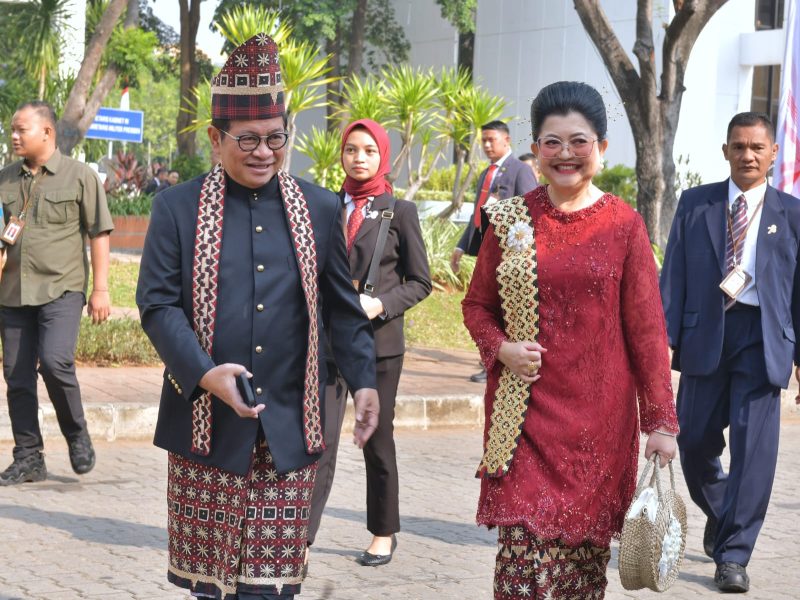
(731, 577)
(376, 560)
(478, 377)
(30, 468)
(709, 535)
(81, 454)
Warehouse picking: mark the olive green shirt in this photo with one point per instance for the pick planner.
(66, 205)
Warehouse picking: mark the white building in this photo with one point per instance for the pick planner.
(523, 45)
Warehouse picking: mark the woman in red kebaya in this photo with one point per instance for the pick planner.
(565, 309)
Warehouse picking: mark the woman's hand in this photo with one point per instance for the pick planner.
(372, 306)
(665, 445)
(523, 358)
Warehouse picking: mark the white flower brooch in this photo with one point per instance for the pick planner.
(520, 237)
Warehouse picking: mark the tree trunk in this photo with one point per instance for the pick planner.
(653, 113)
(190, 75)
(332, 89)
(355, 57)
(76, 117)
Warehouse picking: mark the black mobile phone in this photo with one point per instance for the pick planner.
(245, 389)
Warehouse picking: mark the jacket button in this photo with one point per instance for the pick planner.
(259, 349)
(259, 307)
(258, 391)
(259, 229)
(260, 268)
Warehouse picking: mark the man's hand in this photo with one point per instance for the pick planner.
(99, 306)
(455, 259)
(221, 382)
(372, 306)
(523, 358)
(365, 401)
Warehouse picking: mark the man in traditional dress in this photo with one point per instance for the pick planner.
(236, 267)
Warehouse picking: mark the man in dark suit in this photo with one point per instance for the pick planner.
(238, 267)
(731, 291)
(505, 177)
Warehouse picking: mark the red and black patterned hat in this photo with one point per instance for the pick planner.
(249, 87)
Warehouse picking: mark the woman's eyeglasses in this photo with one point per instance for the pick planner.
(250, 141)
(551, 147)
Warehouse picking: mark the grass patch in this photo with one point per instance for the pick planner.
(115, 342)
(122, 277)
(437, 322)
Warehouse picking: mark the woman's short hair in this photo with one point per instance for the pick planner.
(563, 97)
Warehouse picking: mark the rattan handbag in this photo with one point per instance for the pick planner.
(654, 534)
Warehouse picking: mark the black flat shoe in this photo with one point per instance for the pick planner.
(376, 560)
(731, 577)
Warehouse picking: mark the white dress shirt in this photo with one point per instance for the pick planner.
(350, 206)
(754, 197)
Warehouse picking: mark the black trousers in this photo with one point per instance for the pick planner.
(335, 405)
(380, 458)
(46, 336)
(738, 396)
(246, 596)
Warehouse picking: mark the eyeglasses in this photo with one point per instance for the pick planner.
(250, 141)
(550, 147)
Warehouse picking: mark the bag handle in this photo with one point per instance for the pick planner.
(655, 476)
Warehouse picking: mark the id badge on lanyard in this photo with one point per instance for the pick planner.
(13, 229)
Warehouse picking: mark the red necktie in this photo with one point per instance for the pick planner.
(487, 183)
(355, 220)
(739, 225)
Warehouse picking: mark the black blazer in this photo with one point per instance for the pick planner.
(261, 319)
(405, 277)
(694, 265)
(514, 178)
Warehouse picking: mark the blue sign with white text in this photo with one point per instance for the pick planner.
(117, 125)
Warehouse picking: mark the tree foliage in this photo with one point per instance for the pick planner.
(460, 13)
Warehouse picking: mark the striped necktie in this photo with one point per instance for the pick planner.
(737, 229)
(484, 195)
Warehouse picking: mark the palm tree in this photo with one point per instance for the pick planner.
(303, 70)
(38, 25)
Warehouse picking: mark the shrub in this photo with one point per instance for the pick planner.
(189, 167)
(440, 237)
(126, 204)
(115, 342)
(620, 181)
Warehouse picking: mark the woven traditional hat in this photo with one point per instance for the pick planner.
(249, 86)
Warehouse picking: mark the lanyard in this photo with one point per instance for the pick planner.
(735, 242)
(26, 197)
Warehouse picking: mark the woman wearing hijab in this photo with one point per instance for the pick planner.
(402, 279)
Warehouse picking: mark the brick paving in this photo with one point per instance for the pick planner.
(102, 536)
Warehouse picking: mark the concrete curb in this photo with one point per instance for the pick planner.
(137, 421)
(130, 421)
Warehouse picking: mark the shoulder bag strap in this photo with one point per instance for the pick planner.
(372, 277)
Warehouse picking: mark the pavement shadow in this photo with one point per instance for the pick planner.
(450, 532)
(101, 530)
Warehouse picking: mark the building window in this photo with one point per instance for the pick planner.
(766, 90)
(769, 14)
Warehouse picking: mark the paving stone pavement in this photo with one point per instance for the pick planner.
(102, 536)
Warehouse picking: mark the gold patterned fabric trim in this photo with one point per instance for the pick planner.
(519, 299)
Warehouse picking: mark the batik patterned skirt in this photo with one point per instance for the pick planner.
(528, 567)
(233, 533)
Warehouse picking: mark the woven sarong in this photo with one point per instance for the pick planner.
(529, 567)
(230, 533)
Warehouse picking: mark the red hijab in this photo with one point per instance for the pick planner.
(376, 185)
